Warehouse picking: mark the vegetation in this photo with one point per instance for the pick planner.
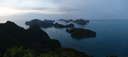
(62, 52)
(19, 52)
(67, 52)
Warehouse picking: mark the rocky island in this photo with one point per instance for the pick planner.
(81, 21)
(57, 25)
(81, 33)
(45, 23)
(78, 21)
(66, 21)
(48, 23)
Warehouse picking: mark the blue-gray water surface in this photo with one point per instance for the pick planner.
(111, 38)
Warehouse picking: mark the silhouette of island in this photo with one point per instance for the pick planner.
(78, 21)
(81, 21)
(48, 23)
(66, 21)
(44, 23)
(81, 33)
(57, 25)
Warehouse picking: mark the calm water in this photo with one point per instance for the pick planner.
(111, 39)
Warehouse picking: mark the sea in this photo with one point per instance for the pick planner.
(111, 37)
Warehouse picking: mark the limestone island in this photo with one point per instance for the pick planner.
(48, 23)
(81, 21)
(78, 21)
(57, 25)
(45, 23)
(66, 21)
(81, 33)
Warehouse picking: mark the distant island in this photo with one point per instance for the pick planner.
(35, 41)
(56, 25)
(78, 21)
(81, 21)
(66, 21)
(44, 23)
(81, 33)
(48, 23)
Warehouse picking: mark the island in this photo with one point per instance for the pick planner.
(66, 21)
(81, 21)
(77, 21)
(45, 23)
(57, 25)
(48, 23)
(81, 33)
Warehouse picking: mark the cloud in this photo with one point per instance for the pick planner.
(13, 7)
(99, 9)
(90, 9)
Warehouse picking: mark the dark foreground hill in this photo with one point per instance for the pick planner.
(35, 41)
(33, 38)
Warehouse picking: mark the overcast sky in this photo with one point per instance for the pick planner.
(53, 9)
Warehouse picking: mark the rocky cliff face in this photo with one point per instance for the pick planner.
(33, 38)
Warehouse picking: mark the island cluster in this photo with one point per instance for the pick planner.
(75, 32)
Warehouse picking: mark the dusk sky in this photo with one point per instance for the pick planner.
(54, 9)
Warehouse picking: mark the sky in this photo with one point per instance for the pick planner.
(67, 9)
